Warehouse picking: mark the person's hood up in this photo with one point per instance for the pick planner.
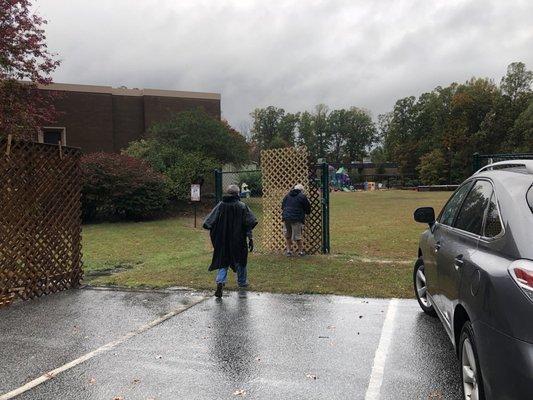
(294, 192)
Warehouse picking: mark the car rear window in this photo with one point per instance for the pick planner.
(493, 225)
(530, 198)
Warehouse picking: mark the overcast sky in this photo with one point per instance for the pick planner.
(291, 54)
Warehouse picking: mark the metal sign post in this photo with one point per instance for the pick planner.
(195, 198)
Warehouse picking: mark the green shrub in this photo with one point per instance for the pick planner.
(433, 168)
(189, 168)
(181, 168)
(120, 187)
(196, 132)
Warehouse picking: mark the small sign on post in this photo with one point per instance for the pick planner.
(195, 192)
(195, 198)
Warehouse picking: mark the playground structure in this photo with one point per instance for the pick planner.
(340, 179)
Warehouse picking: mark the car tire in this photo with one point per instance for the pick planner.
(420, 288)
(471, 377)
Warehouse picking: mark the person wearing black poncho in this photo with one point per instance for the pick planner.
(230, 223)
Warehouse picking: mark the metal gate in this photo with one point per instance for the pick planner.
(252, 194)
(480, 160)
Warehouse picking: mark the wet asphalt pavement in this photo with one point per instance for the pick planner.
(249, 345)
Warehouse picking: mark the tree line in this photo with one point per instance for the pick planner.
(432, 137)
(341, 135)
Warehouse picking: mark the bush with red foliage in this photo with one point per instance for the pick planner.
(117, 186)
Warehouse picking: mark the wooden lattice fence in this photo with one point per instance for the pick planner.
(40, 219)
(282, 169)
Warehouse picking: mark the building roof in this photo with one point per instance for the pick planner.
(123, 91)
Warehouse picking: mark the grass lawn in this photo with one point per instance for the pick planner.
(364, 227)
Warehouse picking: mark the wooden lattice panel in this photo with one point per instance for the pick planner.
(282, 169)
(40, 219)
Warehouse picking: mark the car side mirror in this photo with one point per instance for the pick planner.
(425, 215)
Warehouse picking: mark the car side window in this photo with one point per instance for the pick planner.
(493, 225)
(447, 214)
(470, 217)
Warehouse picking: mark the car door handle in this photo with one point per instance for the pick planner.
(458, 262)
(437, 247)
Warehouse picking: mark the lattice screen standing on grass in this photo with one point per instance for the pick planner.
(40, 219)
(282, 169)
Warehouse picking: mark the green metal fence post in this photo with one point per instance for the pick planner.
(325, 208)
(476, 162)
(218, 186)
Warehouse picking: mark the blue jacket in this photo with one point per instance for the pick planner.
(295, 206)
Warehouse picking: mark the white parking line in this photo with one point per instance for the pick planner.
(52, 374)
(376, 377)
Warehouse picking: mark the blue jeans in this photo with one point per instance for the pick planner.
(222, 275)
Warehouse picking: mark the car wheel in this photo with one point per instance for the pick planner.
(470, 371)
(419, 280)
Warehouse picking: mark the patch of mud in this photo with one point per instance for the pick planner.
(110, 271)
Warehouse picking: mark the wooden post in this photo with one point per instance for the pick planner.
(8, 148)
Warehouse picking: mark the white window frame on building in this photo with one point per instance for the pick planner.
(41, 133)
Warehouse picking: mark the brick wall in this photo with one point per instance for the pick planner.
(128, 119)
(108, 122)
(88, 118)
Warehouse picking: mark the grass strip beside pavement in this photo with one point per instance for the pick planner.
(373, 236)
(170, 253)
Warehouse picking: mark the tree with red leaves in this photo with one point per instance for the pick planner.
(25, 62)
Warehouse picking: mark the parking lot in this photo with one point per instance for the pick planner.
(107, 344)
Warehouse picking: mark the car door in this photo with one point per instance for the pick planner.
(458, 249)
(437, 237)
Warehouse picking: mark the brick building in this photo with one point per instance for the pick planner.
(102, 118)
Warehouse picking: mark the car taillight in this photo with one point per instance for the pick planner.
(522, 273)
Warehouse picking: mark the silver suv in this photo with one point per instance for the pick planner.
(475, 272)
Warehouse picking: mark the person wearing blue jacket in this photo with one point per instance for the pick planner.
(295, 206)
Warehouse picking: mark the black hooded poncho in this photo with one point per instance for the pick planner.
(229, 223)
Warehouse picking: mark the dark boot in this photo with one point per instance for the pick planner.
(218, 292)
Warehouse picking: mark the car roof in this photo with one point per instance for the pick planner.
(508, 176)
(514, 176)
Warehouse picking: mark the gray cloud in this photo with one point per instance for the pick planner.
(293, 54)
